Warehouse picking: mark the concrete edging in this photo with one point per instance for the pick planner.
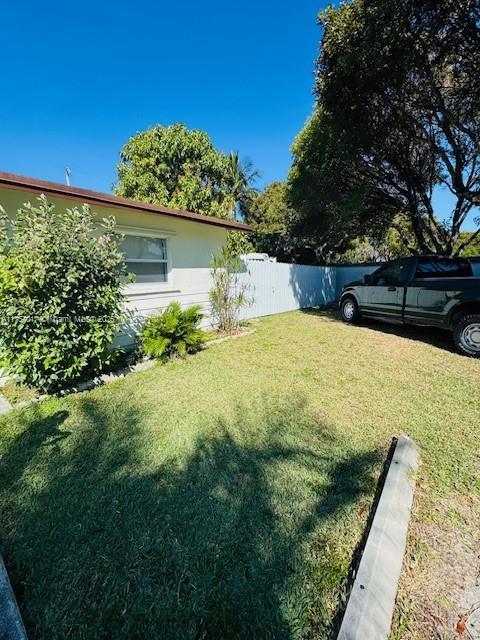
(371, 603)
(5, 405)
(11, 623)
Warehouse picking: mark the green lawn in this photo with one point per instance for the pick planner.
(224, 496)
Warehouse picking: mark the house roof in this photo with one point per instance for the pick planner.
(12, 181)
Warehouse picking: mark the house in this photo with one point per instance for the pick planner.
(168, 250)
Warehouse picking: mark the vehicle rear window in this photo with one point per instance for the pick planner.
(443, 268)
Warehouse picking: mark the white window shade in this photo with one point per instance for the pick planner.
(146, 258)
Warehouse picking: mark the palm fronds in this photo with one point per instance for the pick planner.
(175, 332)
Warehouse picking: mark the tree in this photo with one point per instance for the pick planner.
(397, 116)
(471, 248)
(61, 300)
(241, 177)
(395, 243)
(329, 213)
(178, 168)
(270, 215)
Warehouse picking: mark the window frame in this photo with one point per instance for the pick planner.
(138, 288)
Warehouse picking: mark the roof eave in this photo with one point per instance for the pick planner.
(13, 181)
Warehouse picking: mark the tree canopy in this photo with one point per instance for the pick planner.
(268, 213)
(329, 216)
(397, 117)
(274, 221)
(471, 247)
(176, 167)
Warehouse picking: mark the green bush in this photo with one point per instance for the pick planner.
(60, 294)
(173, 333)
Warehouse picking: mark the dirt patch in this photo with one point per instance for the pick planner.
(15, 392)
(439, 594)
(216, 337)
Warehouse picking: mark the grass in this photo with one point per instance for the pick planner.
(224, 496)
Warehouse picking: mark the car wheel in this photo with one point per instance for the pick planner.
(349, 310)
(466, 335)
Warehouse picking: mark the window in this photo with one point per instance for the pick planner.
(391, 274)
(146, 258)
(443, 268)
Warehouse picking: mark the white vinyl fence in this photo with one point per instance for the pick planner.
(276, 287)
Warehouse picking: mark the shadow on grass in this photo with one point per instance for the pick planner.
(439, 338)
(111, 535)
(23, 449)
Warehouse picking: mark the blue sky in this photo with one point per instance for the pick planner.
(79, 79)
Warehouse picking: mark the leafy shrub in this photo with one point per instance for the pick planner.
(173, 333)
(228, 294)
(60, 294)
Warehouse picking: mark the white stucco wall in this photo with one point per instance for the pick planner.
(190, 246)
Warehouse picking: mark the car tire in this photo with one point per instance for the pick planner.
(466, 335)
(349, 310)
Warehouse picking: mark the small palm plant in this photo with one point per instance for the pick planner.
(175, 332)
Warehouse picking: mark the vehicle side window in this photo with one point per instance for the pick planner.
(443, 268)
(391, 275)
